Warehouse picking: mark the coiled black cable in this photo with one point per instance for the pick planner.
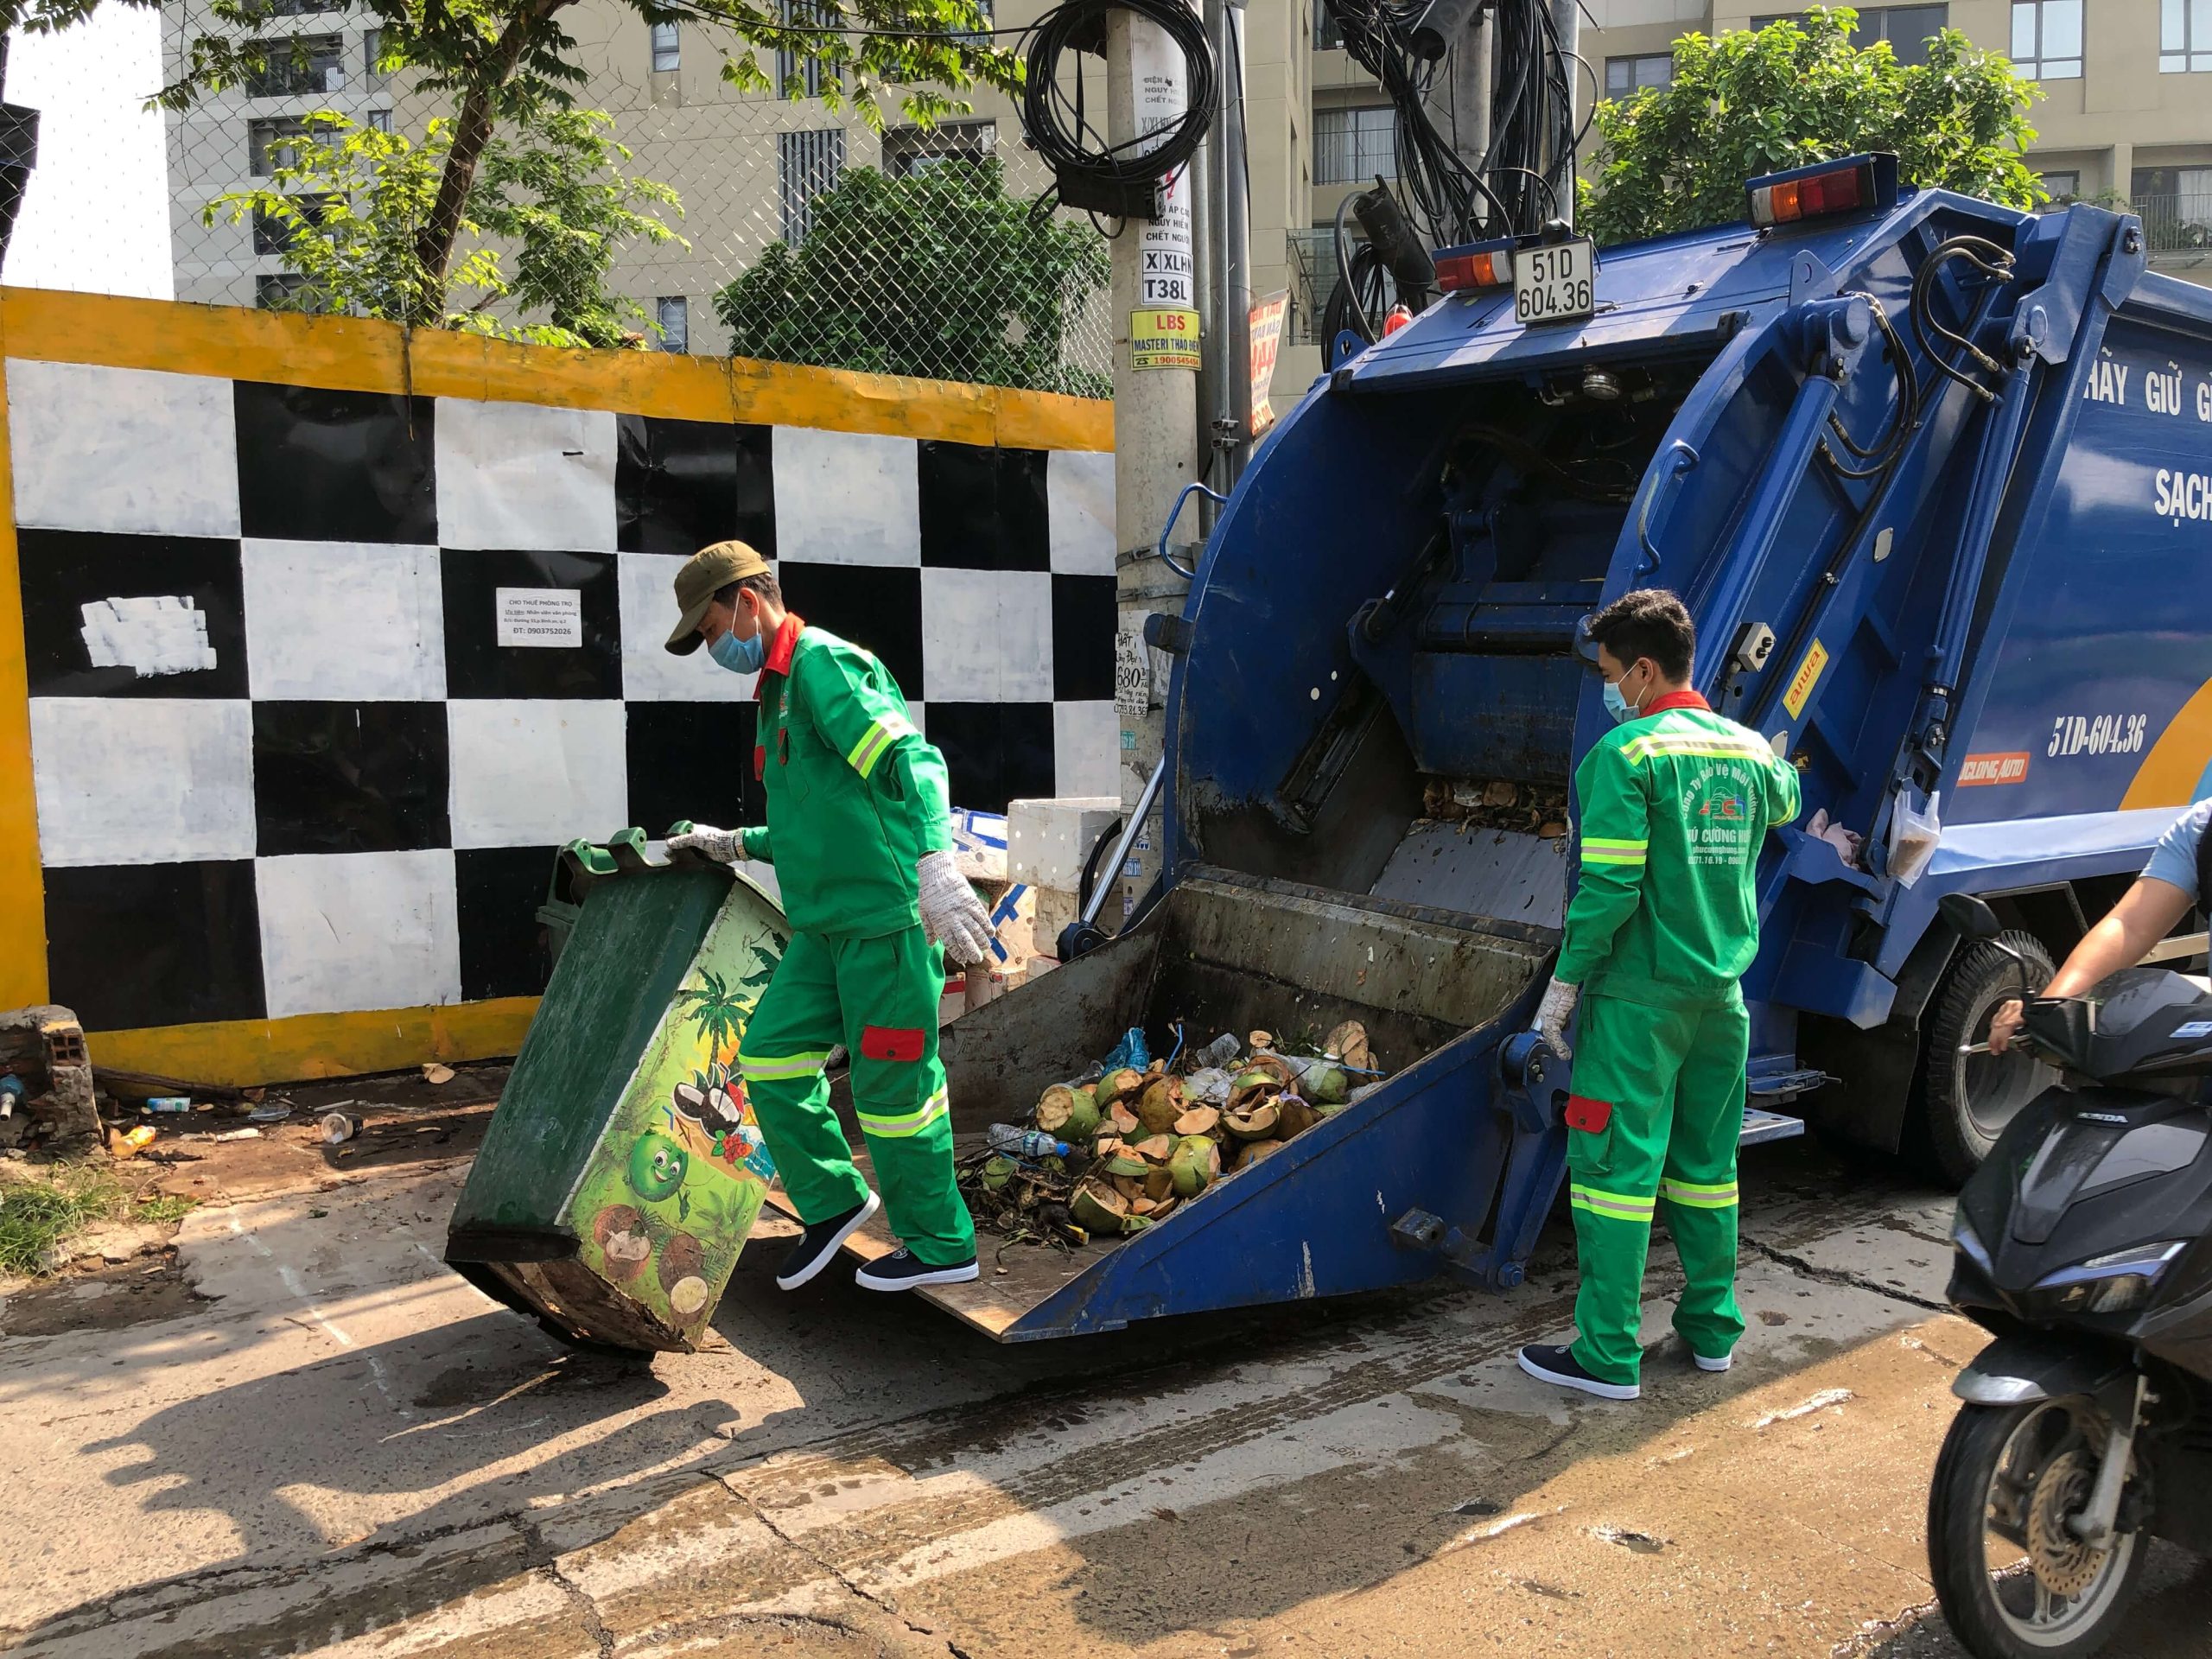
(1057, 123)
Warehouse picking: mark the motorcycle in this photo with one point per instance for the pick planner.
(2080, 1245)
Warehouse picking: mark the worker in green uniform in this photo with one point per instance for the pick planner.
(1675, 803)
(860, 833)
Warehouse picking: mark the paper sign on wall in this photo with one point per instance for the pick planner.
(1267, 319)
(1164, 340)
(540, 616)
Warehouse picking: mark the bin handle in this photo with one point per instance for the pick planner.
(1682, 459)
(1168, 528)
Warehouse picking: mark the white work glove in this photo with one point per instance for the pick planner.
(723, 846)
(952, 915)
(1553, 1014)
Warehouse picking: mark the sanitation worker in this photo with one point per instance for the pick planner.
(1675, 803)
(860, 836)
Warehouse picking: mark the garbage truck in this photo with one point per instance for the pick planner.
(1935, 479)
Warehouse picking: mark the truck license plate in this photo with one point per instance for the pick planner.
(1556, 282)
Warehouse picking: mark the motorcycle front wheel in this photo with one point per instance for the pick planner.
(2014, 1582)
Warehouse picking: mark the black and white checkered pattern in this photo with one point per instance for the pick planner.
(345, 796)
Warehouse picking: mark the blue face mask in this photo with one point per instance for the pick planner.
(1615, 704)
(739, 656)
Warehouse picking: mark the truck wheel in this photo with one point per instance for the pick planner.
(1969, 1098)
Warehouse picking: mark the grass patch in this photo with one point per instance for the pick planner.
(39, 1211)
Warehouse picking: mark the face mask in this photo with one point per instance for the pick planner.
(1617, 702)
(739, 656)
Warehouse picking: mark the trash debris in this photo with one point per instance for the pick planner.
(132, 1142)
(1116, 1154)
(239, 1134)
(168, 1103)
(274, 1112)
(1496, 804)
(11, 1093)
(339, 1127)
(1820, 829)
(433, 1072)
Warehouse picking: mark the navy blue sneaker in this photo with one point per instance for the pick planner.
(904, 1270)
(1559, 1366)
(817, 1246)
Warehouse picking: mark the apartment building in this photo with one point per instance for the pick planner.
(2126, 115)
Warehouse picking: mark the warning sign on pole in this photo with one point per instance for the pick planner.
(1266, 339)
(1164, 340)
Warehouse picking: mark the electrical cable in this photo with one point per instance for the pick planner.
(1057, 122)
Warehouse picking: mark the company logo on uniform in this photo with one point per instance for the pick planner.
(1726, 806)
(1993, 769)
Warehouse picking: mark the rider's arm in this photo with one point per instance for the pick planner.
(2146, 913)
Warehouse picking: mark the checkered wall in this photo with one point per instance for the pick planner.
(290, 753)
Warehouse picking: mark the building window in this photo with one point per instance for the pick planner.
(668, 49)
(1327, 37)
(908, 150)
(372, 49)
(298, 8)
(288, 291)
(673, 313)
(1353, 145)
(269, 143)
(297, 66)
(2062, 187)
(2047, 39)
(380, 120)
(2184, 37)
(808, 164)
(2174, 203)
(1626, 77)
(273, 232)
(790, 66)
(1907, 29)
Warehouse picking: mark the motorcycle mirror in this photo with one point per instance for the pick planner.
(1968, 916)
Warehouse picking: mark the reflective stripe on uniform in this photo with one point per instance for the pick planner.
(881, 733)
(1703, 744)
(906, 1123)
(1621, 1206)
(776, 1068)
(1597, 850)
(1719, 1195)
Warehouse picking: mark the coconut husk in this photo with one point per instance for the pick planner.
(1126, 1123)
(1159, 1183)
(1099, 1208)
(1143, 1207)
(1129, 1186)
(1196, 1166)
(1324, 1083)
(1259, 1040)
(1119, 1085)
(1199, 1120)
(1082, 1117)
(1160, 1208)
(1124, 1160)
(1054, 1108)
(1250, 1087)
(1293, 1116)
(1253, 1151)
(1348, 1043)
(1253, 1122)
(1156, 1148)
(997, 1172)
(1274, 1066)
(1160, 1104)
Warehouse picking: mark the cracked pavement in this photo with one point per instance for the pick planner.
(345, 1449)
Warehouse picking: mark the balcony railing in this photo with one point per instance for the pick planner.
(2178, 228)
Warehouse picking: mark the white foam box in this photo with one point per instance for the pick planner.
(1047, 841)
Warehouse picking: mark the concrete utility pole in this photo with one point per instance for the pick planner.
(1459, 102)
(1229, 253)
(1155, 416)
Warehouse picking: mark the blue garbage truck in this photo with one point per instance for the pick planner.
(1934, 478)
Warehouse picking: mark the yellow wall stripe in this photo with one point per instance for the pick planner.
(23, 886)
(246, 1052)
(356, 354)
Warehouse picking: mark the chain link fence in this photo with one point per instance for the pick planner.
(806, 236)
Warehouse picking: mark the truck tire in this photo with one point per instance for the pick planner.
(1968, 1099)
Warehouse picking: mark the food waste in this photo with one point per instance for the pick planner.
(1141, 1142)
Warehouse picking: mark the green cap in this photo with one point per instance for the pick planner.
(705, 574)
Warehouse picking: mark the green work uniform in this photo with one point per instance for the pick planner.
(1675, 808)
(856, 796)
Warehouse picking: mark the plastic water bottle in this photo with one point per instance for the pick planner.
(1012, 1142)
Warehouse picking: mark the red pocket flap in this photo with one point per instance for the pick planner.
(889, 1043)
(760, 762)
(1587, 1115)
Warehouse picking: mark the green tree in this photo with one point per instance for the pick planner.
(1676, 158)
(511, 61)
(940, 274)
(349, 203)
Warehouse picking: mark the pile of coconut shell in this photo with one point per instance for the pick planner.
(1160, 1138)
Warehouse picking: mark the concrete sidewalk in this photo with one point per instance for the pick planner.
(348, 1450)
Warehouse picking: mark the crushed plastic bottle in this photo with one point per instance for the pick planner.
(1013, 1142)
(1217, 1053)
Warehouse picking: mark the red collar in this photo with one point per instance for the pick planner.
(781, 649)
(1684, 699)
